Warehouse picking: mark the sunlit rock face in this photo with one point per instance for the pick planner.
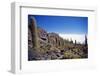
(42, 34)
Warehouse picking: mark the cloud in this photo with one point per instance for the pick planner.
(80, 38)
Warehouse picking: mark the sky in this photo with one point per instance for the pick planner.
(62, 24)
(68, 27)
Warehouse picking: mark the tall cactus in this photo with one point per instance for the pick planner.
(56, 42)
(85, 40)
(75, 42)
(33, 29)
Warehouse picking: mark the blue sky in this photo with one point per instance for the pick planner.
(62, 24)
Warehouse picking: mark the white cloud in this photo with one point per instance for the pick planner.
(80, 38)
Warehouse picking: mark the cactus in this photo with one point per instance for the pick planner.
(75, 42)
(56, 39)
(33, 29)
(85, 40)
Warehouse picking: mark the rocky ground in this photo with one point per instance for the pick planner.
(68, 53)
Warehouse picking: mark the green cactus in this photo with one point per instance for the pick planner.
(34, 34)
(85, 40)
(75, 42)
(56, 42)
